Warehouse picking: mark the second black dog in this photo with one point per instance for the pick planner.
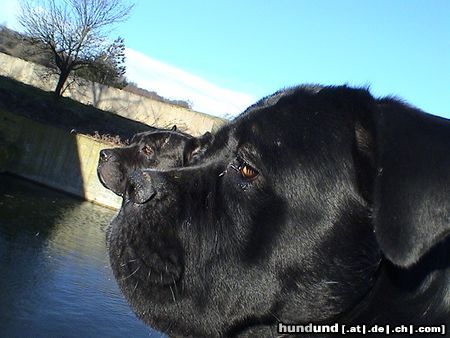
(158, 148)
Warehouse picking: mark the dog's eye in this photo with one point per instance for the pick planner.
(147, 150)
(248, 171)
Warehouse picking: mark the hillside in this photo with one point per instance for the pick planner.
(65, 113)
(15, 44)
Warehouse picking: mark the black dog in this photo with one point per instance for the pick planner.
(158, 148)
(317, 205)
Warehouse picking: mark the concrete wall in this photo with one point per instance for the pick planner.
(121, 102)
(55, 158)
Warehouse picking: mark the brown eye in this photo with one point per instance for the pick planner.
(147, 150)
(247, 171)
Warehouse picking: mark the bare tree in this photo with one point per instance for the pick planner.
(74, 31)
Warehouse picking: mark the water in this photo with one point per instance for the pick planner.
(55, 279)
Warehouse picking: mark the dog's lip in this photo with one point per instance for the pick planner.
(103, 181)
(100, 176)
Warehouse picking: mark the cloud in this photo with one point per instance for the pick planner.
(174, 83)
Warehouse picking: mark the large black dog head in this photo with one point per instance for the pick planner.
(153, 149)
(289, 216)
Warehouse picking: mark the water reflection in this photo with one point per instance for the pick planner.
(55, 276)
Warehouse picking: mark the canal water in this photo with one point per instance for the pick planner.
(55, 279)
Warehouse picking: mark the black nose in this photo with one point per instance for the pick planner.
(106, 154)
(140, 187)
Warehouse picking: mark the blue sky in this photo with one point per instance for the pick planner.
(231, 53)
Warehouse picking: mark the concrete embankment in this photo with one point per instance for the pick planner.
(53, 157)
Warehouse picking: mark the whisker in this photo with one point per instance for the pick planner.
(175, 285)
(173, 295)
(137, 269)
(130, 261)
(135, 287)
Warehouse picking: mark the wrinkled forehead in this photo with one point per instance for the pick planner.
(251, 135)
(262, 132)
(158, 136)
(139, 136)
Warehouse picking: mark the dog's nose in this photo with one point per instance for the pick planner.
(105, 155)
(140, 187)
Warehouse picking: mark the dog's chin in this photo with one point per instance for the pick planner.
(137, 257)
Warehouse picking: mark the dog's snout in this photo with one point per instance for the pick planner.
(140, 187)
(106, 155)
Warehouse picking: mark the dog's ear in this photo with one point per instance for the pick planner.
(196, 146)
(174, 128)
(411, 197)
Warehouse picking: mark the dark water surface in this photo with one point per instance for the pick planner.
(55, 279)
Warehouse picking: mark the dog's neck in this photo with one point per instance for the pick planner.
(418, 295)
